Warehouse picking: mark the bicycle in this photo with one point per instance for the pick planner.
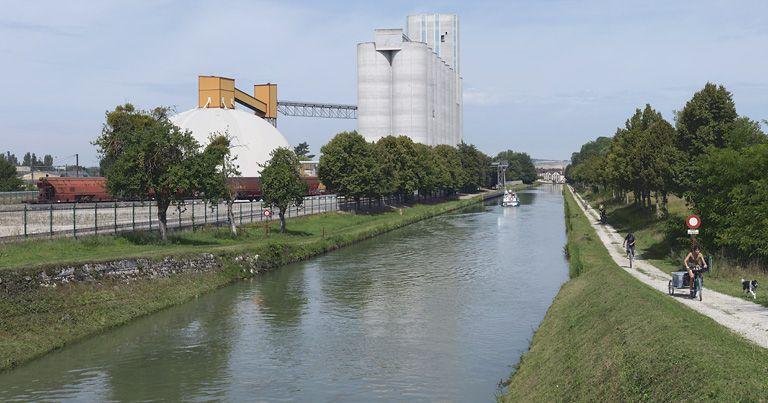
(678, 282)
(630, 255)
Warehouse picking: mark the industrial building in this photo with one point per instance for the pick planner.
(408, 83)
(253, 134)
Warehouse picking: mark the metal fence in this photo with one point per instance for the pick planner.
(60, 220)
(17, 197)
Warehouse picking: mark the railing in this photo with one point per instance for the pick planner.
(78, 219)
(20, 222)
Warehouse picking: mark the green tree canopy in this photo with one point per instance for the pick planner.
(731, 195)
(349, 166)
(399, 165)
(705, 119)
(302, 152)
(448, 157)
(218, 158)
(8, 180)
(471, 164)
(281, 183)
(520, 167)
(151, 157)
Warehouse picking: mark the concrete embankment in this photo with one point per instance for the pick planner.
(46, 307)
(607, 336)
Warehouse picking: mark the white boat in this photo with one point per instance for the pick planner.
(510, 199)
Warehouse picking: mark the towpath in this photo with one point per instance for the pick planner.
(748, 319)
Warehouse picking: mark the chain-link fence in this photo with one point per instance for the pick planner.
(57, 220)
(17, 197)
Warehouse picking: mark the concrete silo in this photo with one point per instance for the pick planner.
(406, 86)
(374, 91)
(409, 78)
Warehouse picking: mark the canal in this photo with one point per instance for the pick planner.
(439, 310)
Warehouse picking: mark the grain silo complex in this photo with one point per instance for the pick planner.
(408, 82)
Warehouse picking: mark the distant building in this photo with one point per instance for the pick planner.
(408, 83)
(309, 168)
(551, 175)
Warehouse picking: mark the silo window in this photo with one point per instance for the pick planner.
(442, 38)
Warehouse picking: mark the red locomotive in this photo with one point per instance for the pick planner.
(68, 190)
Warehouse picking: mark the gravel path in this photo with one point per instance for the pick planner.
(748, 319)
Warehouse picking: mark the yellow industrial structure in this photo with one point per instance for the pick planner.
(220, 92)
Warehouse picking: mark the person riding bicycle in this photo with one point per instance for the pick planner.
(629, 243)
(693, 259)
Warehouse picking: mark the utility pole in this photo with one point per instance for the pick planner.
(501, 173)
(77, 165)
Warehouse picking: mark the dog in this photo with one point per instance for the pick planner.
(749, 287)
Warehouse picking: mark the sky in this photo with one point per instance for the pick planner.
(539, 76)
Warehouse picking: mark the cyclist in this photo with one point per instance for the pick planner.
(693, 259)
(629, 243)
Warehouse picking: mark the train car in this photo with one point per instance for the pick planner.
(247, 187)
(76, 190)
(72, 190)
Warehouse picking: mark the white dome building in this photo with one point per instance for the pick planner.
(253, 138)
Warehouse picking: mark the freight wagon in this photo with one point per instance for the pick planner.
(76, 190)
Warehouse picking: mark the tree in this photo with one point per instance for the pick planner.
(10, 158)
(448, 157)
(152, 158)
(474, 174)
(705, 119)
(349, 167)
(520, 167)
(302, 152)
(48, 160)
(281, 183)
(398, 160)
(27, 160)
(218, 158)
(744, 132)
(731, 195)
(431, 171)
(8, 180)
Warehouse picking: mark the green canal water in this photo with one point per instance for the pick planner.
(439, 310)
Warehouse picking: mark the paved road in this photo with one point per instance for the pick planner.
(748, 319)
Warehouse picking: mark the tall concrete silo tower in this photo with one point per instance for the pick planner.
(406, 88)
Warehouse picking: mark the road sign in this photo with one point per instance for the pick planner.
(693, 221)
(267, 213)
(693, 232)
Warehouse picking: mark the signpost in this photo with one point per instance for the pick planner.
(267, 214)
(693, 222)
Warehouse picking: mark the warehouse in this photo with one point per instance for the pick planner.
(405, 87)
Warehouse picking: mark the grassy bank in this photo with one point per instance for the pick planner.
(42, 319)
(609, 337)
(655, 246)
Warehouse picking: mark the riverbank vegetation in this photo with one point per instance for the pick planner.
(609, 337)
(396, 167)
(712, 159)
(37, 320)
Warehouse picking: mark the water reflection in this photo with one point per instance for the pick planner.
(435, 311)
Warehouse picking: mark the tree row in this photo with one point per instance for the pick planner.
(712, 157)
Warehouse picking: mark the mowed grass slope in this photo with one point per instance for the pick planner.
(36, 321)
(608, 337)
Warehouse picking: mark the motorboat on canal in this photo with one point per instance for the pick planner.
(510, 199)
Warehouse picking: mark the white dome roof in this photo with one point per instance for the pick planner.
(253, 138)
